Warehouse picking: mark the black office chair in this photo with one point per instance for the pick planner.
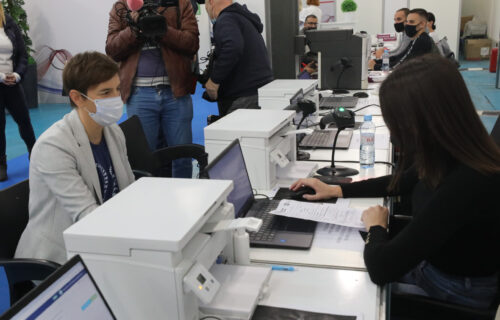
(145, 162)
(13, 220)
(413, 307)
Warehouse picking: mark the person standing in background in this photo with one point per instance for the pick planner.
(156, 75)
(241, 62)
(312, 8)
(13, 63)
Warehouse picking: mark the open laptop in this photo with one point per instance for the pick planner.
(276, 231)
(323, 139)
(69, 293)
(335, 102)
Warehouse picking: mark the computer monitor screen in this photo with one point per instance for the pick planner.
(230, 165)
(69, 293)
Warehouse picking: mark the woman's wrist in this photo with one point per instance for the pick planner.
(336, 192)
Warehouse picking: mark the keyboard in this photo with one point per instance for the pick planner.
(267, 231)
(324, 139)
(333, 102)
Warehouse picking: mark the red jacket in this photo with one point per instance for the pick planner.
(178, 47)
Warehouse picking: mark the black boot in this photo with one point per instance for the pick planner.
(3, 168)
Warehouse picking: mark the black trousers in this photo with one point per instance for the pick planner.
(12, 98)
(228, 105)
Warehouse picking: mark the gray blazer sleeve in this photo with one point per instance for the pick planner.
(57, 168)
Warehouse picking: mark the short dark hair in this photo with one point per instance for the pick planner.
(86, 70)
(405, 10)
(431, 17)
(431, 118)
(421, 12)
(311, 16)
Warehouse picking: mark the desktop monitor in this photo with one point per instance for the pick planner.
(342, 58)
(69, 293)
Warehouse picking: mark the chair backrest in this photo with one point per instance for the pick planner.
(13, 217)
(139, 154)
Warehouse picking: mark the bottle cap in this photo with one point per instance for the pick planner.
(368, 117)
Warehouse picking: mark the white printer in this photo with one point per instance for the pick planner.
(268, 147)
(276, 95)
(153, 247)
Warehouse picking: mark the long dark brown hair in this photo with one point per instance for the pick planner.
(429, 112)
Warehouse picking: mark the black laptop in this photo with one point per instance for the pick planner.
(69, 293)
(276, 231)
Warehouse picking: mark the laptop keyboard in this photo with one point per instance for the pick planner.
(267, 231)
(333, 102)
(319, 138)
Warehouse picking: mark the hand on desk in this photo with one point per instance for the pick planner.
(375, 216)
(323, 191)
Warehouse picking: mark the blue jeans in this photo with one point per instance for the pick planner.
(427, 280)
(157, 108)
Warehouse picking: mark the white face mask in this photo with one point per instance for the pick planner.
(108, 110)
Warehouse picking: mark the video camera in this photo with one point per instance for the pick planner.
(151, 24)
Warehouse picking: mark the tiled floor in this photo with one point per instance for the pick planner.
(480, 84)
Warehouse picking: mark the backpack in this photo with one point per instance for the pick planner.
(444, 49)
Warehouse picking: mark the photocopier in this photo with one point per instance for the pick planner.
(268, 143)
(172, 249)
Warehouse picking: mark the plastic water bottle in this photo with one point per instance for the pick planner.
(367, 143)
(385, 61)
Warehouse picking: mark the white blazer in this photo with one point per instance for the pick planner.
(64, 185)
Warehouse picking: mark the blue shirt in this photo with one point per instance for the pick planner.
(105, 171)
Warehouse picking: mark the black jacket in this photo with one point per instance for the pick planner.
(454, 227)
(418, 47)
(19, 55)
(241, 64)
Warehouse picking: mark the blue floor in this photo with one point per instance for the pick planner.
(481, 85)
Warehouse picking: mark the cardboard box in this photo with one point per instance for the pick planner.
(464, 21)
(477, 49)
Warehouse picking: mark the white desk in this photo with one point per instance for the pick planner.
(340, 292)
(319, 256)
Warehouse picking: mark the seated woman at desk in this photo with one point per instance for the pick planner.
(80, 161)
(450, 249)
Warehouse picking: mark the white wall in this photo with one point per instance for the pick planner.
(76, 25)
(478, 8)
(390, 8)
(494, 25)
(369, 15)
(448, 13)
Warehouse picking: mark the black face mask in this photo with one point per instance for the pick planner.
(410, 31)
(400, 27)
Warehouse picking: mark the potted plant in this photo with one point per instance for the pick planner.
(348, 7)
(29, 82)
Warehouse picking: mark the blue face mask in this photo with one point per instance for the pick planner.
(108, 110)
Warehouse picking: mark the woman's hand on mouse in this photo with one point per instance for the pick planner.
(323, 191)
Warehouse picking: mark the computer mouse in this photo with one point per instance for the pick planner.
(298, 195)
(361, 95)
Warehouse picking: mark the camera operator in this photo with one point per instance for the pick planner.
(155, 71)
(241, 64)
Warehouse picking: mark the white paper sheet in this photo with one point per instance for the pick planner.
(332, 236)
(338, 213)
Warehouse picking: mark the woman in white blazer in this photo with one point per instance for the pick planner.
(80, 161)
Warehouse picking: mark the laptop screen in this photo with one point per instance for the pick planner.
(71, 294)
(230, 165)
